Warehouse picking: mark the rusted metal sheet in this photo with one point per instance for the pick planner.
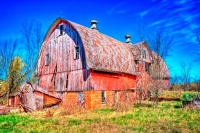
(105, 53)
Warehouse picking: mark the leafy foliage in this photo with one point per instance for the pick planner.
(188, 96)
(15, 76)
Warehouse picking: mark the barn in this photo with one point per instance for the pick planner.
(82, 66)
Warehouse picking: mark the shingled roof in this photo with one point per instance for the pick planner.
(102, 52)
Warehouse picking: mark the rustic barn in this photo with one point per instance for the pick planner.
(82, 66)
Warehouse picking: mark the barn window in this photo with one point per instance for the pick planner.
(76, 52)
(47, 59)
(103, 96)
(147, 67)
(81, 98)
(67, 81)
(144, 54)
(116, 96)
(61, 29)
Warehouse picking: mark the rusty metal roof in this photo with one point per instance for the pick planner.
(105, 53)
(164, 68)
(102, 52)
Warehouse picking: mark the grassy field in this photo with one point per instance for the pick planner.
(166, 117)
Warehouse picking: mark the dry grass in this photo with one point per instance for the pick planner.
(166, 117)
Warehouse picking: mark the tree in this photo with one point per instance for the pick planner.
(15, 76)
(32, 36)
(7, 52)
(161, 43)
(186, 75)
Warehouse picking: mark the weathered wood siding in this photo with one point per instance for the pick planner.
(63, 72)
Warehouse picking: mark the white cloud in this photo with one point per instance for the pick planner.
(143, 13)
(116, 9)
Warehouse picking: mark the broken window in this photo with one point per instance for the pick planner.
(81, 98)
(61, 29)
(103, 96)
(76, 52)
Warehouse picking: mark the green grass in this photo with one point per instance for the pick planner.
(166, 117)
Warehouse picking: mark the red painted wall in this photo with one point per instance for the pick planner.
(108, 81)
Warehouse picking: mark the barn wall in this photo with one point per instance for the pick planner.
(70, 99)
(39, 100)
(108, 81)
(93, 99)
(62, 64)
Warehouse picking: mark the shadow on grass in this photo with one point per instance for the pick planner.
(143, 105)
(177, 106)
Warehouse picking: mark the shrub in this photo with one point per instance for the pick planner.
(188, 96)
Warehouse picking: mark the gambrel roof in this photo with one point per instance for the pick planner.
(102, 52)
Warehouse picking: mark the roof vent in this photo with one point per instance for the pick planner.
(128, 40)
(94, 24)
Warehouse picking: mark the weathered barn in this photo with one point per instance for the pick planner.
(83, 66)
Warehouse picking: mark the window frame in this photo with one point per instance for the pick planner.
(144, 53)
(103, 97)
(76, 52)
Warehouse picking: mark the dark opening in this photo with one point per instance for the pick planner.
(147, 66)
(46, 59)
(144, 54)
(76, 52)
(61, 29)
(67, 80)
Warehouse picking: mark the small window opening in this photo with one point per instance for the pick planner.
(61, 29)
(103, 96)
(76, 52)
(47, 60)
(147, 67)
(67, 80)
(81, 98)
(144, 54)
(136, 62)
(116, 96)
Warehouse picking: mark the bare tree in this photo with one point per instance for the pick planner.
(186, 75)
(7, 51)
(161, 43)
(32, 36)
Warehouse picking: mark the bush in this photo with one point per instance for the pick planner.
(188, 96)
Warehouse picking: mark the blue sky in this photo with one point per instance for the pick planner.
(115, 18)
